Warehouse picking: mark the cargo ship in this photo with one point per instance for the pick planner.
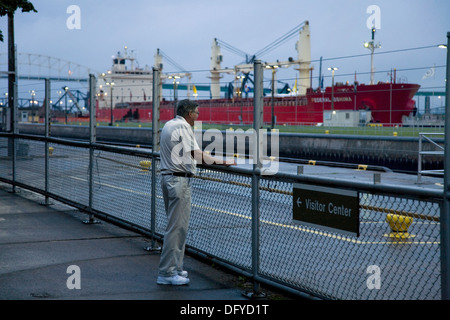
(124, 94)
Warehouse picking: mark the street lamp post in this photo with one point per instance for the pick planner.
(65, 96)
(33, 93)
(175, 93)
(274, 69)
(332, 87)
(239, 94)
(111, 84)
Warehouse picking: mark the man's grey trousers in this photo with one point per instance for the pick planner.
(177, 201)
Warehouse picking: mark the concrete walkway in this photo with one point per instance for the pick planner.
(46, 252)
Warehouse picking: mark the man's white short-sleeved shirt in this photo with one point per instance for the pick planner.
(177, 143)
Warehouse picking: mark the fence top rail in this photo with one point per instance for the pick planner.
(403, 191)
(380, 188)
(431, 133)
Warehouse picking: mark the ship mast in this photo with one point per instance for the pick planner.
(371, 45)
(303, 47)
(216, 60)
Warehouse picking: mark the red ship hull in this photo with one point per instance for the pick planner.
(388, 103)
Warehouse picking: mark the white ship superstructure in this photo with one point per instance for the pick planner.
(126, 82)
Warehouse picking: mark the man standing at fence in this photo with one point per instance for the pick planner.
(179, 156)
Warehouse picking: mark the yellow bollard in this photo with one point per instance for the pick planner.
(399, 225)
(145, 164)
(327, 131)
(395, 133)
(50, 151)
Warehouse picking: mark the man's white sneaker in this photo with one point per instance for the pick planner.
(174, 280)
(183, 274)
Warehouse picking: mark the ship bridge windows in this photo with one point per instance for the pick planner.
(119, 61)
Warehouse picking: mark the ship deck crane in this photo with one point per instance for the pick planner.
(172, 76)
(303, 60)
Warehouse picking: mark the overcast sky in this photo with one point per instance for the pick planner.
(184, 30)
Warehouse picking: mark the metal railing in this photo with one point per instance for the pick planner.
(116, 183)
(438, 150)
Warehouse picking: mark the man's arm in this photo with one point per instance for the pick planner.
(205, 158)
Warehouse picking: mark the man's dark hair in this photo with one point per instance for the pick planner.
(185, 106)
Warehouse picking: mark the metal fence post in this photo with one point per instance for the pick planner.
(419, 160)
(12, 97)
(155, 150)
(445, 209)
(14, 113)
(47, 134)
(92, 141)
(257, 124)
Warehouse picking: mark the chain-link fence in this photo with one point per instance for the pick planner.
(246, 220)
(378, 264)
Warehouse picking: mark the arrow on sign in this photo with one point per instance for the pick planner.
(299, 202)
